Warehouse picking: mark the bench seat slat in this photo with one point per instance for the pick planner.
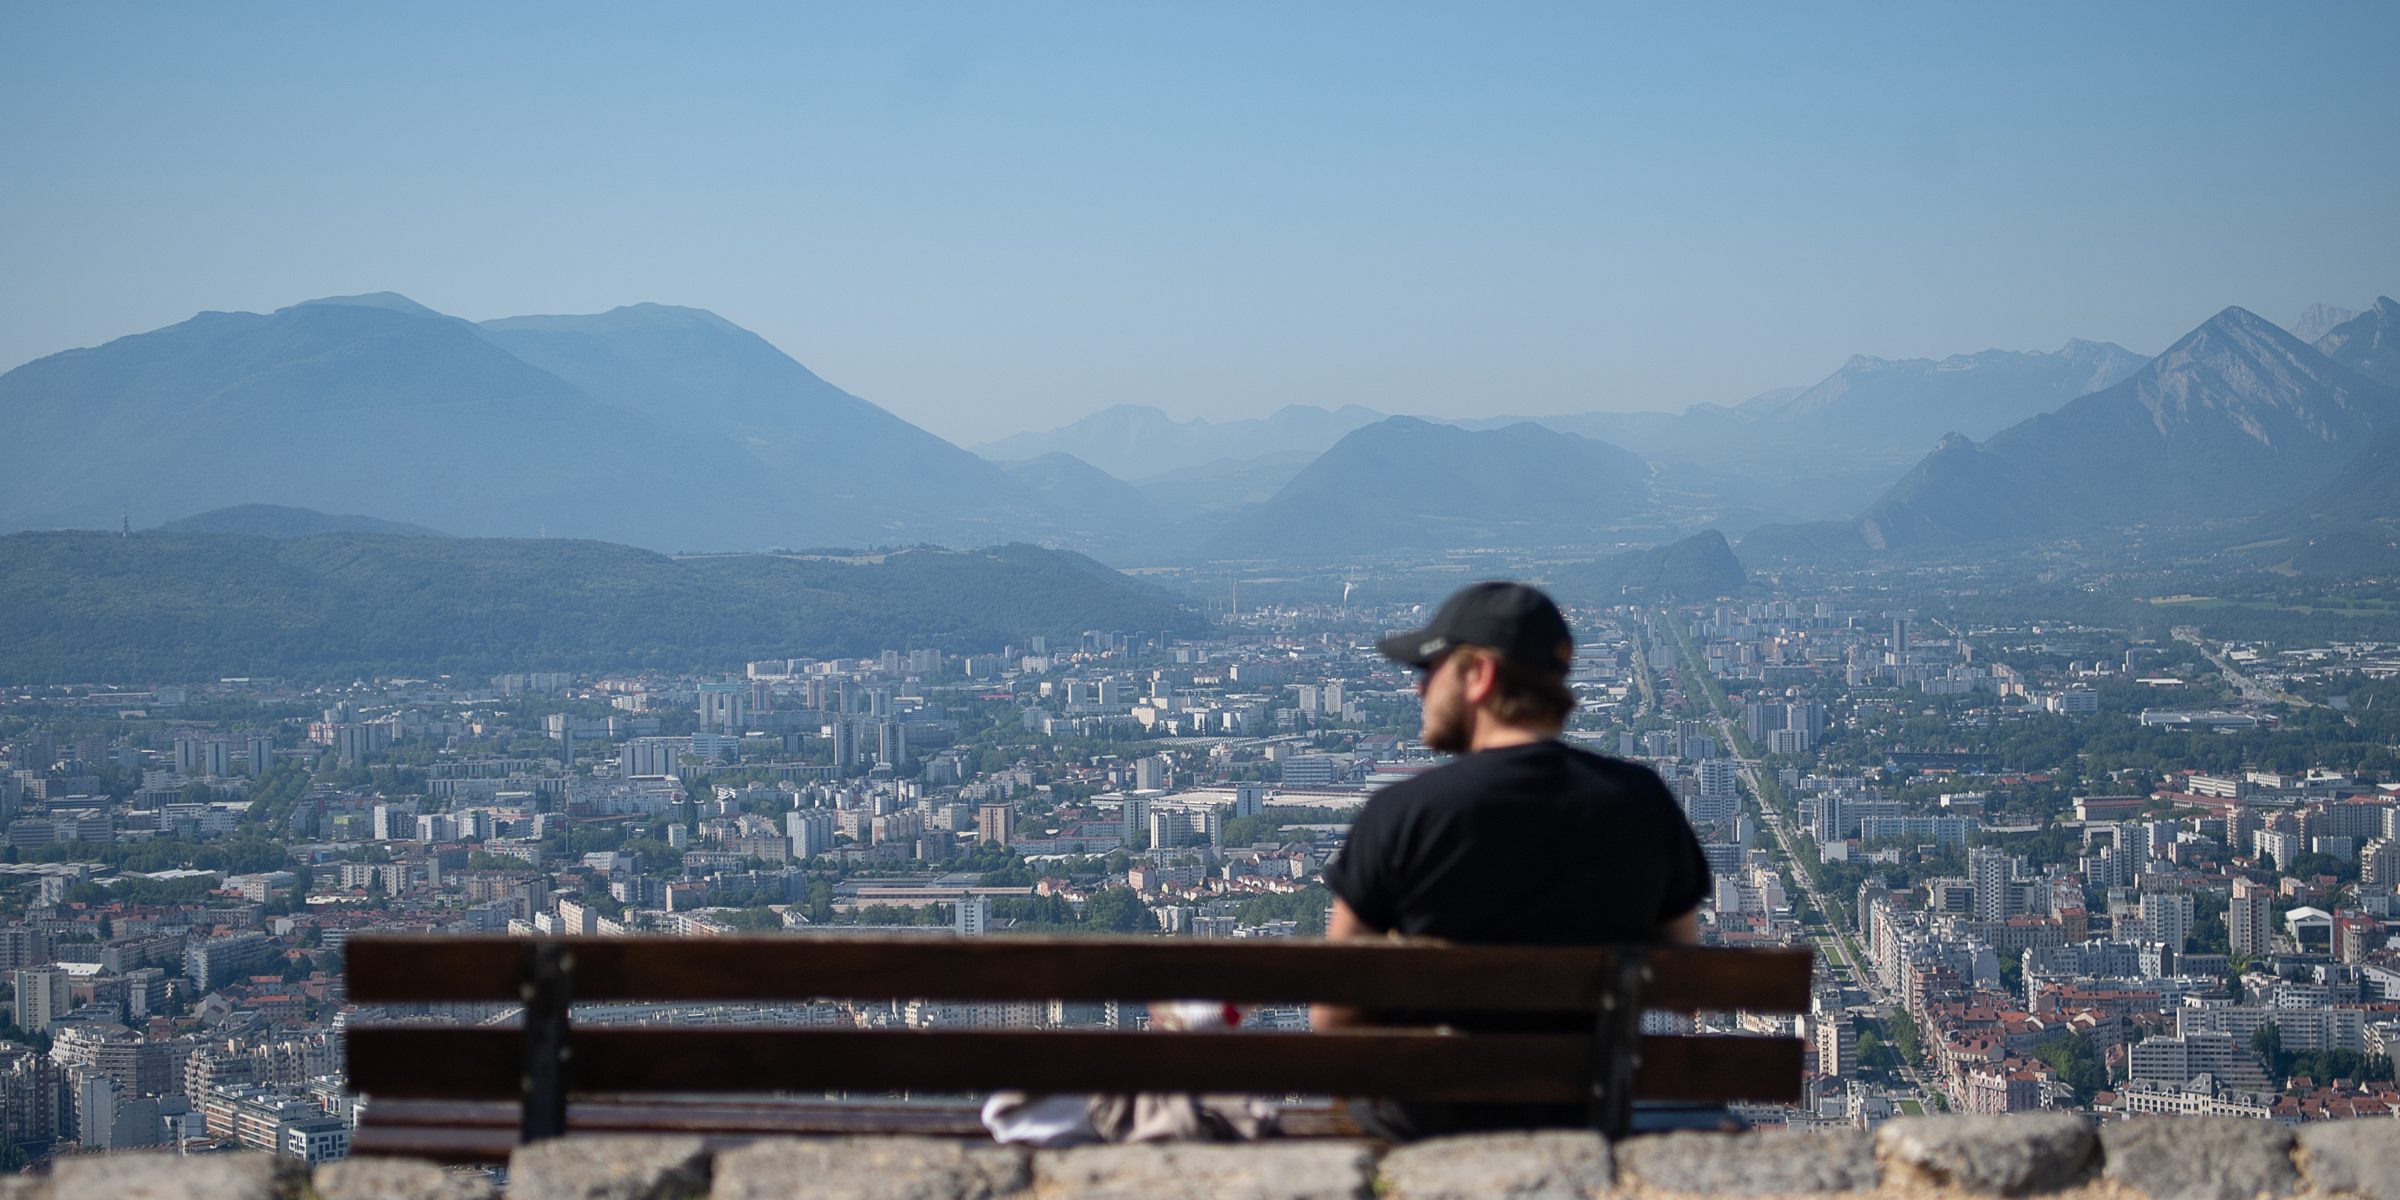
(482, 1064)
(1373, 974)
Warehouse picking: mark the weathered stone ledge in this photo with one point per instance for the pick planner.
(2161, 1158)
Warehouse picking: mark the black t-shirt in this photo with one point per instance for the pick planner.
(1536, 845)
(1539, 845)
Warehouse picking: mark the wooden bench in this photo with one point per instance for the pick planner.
(468, 1092)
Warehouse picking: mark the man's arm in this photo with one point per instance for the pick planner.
(1682, 931)
(1343, 925)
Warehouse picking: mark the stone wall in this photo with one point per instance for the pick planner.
(2161, 1158)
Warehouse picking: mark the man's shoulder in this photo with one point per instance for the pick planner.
(1469, 770)
(1632, 774)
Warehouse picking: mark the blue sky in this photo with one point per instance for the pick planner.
(995, 217)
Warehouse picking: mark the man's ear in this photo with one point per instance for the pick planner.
(1478, 678)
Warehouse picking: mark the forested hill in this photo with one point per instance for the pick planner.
(164, 607)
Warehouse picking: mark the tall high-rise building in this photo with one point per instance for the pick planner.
(1249, 799)
(972, 916)
(2167, 918)
(891, 743)
(1150, 774)
(262, 754)
(996, 823)
(214, 962)
(217, 757)
(1827, 826)
(1173, 827)
(1136, 819)
(43, 995)
(394, 822)
(1761, 719)
(2379, 864)
(1900, 636)
(811, 832)
(2249, 919)
(1837, 1045)
(1719, 777)
(724, 707)
(1989, 877)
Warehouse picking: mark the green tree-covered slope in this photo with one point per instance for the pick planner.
(91, 607)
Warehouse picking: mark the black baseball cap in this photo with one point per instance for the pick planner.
(1518, 621)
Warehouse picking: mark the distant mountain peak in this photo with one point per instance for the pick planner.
(1138, 441)
(646, 313)
(2317, 320)
(284, 521)
(391, 300)
(2368, 343)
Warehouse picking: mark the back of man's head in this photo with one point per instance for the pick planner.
(1519, 631)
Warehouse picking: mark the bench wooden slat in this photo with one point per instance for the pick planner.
(486, 1131)
(481, 1064)
(437, 1143)
(1374, 974)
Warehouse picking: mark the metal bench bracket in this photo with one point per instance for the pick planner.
(547, 992)
(1617, 1044)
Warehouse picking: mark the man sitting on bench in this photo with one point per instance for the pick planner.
(1523, 840)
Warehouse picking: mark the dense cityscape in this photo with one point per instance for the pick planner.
(2042, 864)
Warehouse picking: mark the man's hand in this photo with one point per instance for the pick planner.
(1343, 925)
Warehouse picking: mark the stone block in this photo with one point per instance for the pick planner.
(2358, 1157)
(397, 1179)
(869, 1168)
(2199, 1158)
(1542, 1165)
(609, 1168)
(1763, 1163)
(1330, 1170)
(162, 1176)
(1994, 1155)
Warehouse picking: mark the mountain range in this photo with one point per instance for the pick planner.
(2218, 427)
(652, 425)
(673, 429)
(1814, 451)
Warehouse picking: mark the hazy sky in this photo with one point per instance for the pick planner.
(995, 217)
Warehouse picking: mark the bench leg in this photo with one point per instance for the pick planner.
(548, 990)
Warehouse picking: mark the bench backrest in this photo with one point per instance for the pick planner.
(545, 1059)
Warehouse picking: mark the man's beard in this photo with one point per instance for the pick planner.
(1447, 730)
